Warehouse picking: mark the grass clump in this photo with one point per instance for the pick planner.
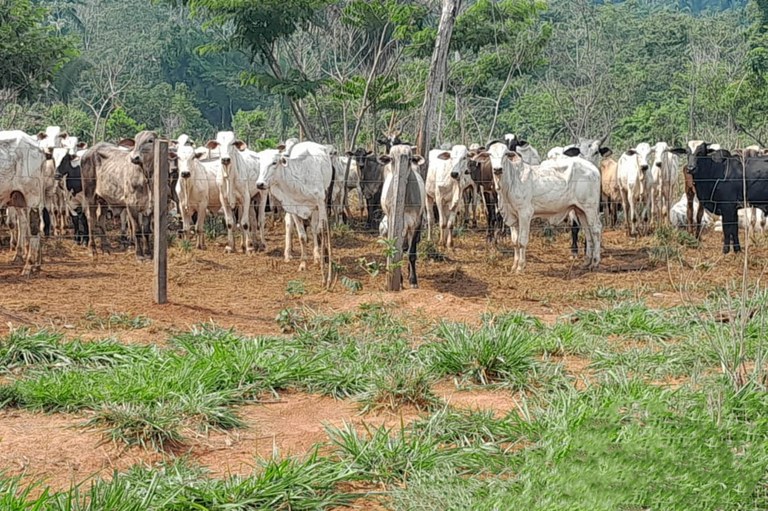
(489, 354)
(157, 425)
(22, 348)
(468, 428)
(378, 455)
(402, 385)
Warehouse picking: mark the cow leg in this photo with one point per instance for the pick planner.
(48, 225)
(288, 223)
(262, 213)
(490, 211)
(627, 212)
(430, 216)
(229, 219)
(574, 238)
(450, 222)
(524, 226)
(699, 217)
(200, 226)
(730, 219)
(412, 256)
(514, 239)
(302, 242)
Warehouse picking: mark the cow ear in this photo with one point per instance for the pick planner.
(41, 135)
(482, 157)
(349, 154)
(471, 154)
(283, 161)
(212, 144)
(418, 160)
(572, 151)
(127, 142)
(242, 146)
(605, 152)
(678, 151)
(199, 154)
(514, 157)
(172, 155)
(445, 155)
(63, 135)
(631, 152)
(82, 145)
(384, 159)
(280, 147)
(522, 143)
(369, 153)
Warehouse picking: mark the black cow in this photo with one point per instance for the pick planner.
(720, 179)
(73, 183)
(371, 182)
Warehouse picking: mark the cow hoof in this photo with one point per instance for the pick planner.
(726, 249)
(414, 286)
(228, 250)
(736, 249)
(303, 266)
(250, 250)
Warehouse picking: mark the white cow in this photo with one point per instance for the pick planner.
(443, 188)
(523, 148)
(22, 190)
(678, 213)
(751, 220)
(300, 180)
(197, 189)
(665, 170)
(414, 202)
(551, 190)
(52, 140)
(236, 179)
(634, 179)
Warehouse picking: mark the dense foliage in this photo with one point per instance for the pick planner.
(552, 70)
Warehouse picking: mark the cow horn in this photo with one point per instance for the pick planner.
(602, 140)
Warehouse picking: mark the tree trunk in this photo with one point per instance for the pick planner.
(437, 73)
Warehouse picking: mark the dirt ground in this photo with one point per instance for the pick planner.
(247, 292)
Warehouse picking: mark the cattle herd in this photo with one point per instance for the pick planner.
(51, 183)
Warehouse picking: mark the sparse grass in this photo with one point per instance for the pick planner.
(402, 385)
(21, 348)
(146, 424)
(115, 321)
(490, 354)
(295, 289)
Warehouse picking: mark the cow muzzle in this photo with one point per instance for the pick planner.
(643, 167)
(658, 164)
(498, 171)
(186, 175)
(261, 185)
(136, 160)
(226, 161)
(455, 175)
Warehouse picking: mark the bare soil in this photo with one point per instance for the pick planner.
(246, 292)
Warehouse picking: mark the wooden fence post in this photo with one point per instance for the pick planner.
(396, 220)
(160, 222)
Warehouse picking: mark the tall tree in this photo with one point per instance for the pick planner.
(30, 50)
(437, 73)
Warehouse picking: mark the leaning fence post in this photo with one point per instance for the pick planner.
(396, 219)
(160, 223)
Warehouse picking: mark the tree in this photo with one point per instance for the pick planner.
(30, 50)
(437, 73)
(120, 125)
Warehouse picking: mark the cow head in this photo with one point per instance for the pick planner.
(592, 150)
(268, 163)
(496, 154)
(227, 144)
(514, 142)
(389, 140)
(185, 156)
(642, 151)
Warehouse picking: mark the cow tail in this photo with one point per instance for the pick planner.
(329, 192)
